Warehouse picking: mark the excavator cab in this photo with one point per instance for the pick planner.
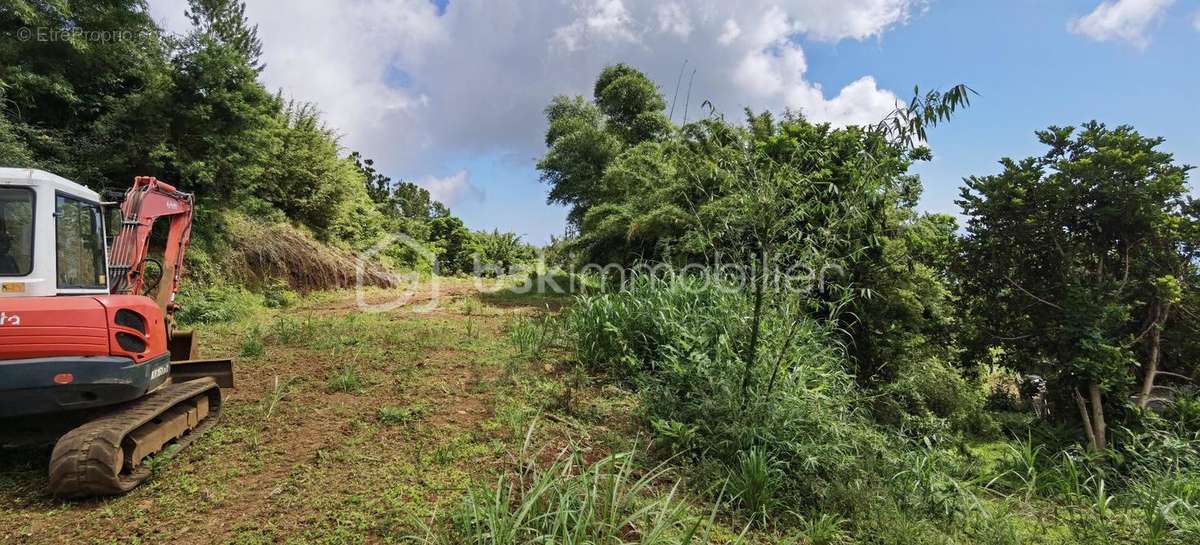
(86, 337)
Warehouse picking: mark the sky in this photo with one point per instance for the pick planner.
(449, 94)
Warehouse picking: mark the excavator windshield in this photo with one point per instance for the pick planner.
(16, 231)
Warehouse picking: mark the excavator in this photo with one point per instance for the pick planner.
(89, 353)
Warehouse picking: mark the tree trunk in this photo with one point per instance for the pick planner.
(1093, 422)
(1098, 427)
(1086, 420)
(1155, 354)
(755, 330)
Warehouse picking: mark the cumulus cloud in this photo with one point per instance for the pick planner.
(673, 18)
(1126, 20)
(598, 21)
(453, 189)
(418, 91)
(1196, 21)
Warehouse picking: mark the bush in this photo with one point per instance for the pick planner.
(252, 345)
(678, 340)
(347, 379)
(216, 304)
(277, 295)
(931, 398)
(629, 332)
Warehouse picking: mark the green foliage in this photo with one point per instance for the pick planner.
(396, 416)
(607, 502)
(585, 137)
(755, 481)
(821, 220)
(277, 295)
(531, 336)
(216, 304)
(678, 340)
(252, 344)
(1075, 262)
(500, 253)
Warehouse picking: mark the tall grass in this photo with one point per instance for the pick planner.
(570, 502)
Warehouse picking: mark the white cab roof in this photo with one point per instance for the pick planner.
(33, 176)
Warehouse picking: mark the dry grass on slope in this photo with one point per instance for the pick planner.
(279, 251)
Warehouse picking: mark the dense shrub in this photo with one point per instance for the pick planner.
(629, 333)
(215, 304)
(679, 340)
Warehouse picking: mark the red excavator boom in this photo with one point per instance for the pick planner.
(145, 203)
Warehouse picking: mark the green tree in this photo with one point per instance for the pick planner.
(225, 22)
(1075, 263)
(584, 137)
(63, 99)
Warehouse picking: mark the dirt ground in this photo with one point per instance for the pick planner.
(346, 427)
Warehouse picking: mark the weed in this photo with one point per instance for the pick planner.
(531, 336)
(347, 379)
(216, 304)
(396, 416)
(290, 331)
(278, 392)
(825, 529)
(755, 481)
(277, 295)
(569, 502)
(674, 437)
(252, 345)
(470, 308)
(1025, 468)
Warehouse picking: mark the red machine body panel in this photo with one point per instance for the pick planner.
(43, 327)
(38, 327)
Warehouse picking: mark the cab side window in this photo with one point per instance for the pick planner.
(79, 234)
(16, 231)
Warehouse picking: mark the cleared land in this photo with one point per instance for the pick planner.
(346, 427)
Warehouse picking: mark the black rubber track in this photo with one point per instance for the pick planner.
(88, 461)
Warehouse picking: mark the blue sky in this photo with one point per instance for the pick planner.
(1029, 70)
(450, 94)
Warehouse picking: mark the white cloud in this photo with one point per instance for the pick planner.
(729, 32)
(475, 79)
(673, 18)
(1196, 21)
(598, 21)
(453, 189)
(1126, 20)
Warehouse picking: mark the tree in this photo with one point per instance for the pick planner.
(64, 98)
(1076, 260)
(584, 137)
(772, 197)
(453, 244)
(225, 22)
